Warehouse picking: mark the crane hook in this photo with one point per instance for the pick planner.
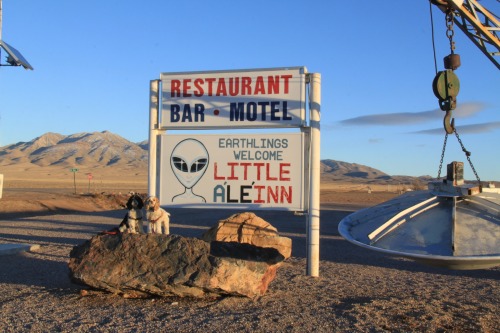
(449, 123)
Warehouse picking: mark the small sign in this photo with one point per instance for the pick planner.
(74, 170)
(89, 176)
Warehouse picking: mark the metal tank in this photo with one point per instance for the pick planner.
(452, 224)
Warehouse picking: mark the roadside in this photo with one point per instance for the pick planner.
(26, 201)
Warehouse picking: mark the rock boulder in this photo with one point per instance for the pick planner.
(250, 229)
(135, 265)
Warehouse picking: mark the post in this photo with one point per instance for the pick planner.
(74, 181)
(153, 130)
(0, 19)
(314, 198)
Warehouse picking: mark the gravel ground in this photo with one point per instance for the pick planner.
(358, 290)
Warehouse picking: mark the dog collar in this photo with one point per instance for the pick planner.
(159, 217)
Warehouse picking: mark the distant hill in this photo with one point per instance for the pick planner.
(332, 170)
(105, 149)
(82, 149)
(336, 169)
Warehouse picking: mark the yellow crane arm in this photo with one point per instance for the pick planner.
(481, 26)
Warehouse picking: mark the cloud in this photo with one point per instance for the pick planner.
(375, 140)
(465, 129)
(405, 118)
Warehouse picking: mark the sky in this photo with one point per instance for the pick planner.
(93, 61)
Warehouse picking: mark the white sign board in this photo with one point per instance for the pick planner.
(231, 99)
(221, 170)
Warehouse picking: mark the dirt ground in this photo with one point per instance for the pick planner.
(51, 191)
(27, 187)
(48, 200)
(357, 291)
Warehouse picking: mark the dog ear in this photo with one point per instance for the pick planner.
(140, 203)
(157, 203)
(129, 203)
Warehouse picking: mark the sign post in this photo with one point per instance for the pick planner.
(314, 193)
(154, 117)
(74, 171)
(89, 176)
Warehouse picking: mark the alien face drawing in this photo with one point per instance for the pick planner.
(189, 161)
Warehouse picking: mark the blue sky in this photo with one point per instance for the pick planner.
(93, 61)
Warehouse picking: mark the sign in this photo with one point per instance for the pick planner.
(74, 170)
(259, 171)
(250, 170)
(242, 98)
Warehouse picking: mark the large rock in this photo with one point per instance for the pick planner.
(135, 265)
(250, 229)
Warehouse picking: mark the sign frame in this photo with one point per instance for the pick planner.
(312, 159)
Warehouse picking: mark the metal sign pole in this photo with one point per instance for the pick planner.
(0, 19)
(1, 185)
(314, 198)
(74, 171)
(153, 131)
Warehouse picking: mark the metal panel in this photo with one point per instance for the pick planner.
(456, 234)
(14, 58)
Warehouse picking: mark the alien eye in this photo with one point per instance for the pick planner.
(198, 165)
(180, 164)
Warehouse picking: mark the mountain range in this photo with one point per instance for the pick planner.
(90, 149)
(106, 149)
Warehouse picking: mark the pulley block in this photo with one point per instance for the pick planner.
(446, 87)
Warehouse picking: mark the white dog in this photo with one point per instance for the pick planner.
(158, 218)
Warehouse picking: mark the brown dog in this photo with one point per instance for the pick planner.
(157, 217)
